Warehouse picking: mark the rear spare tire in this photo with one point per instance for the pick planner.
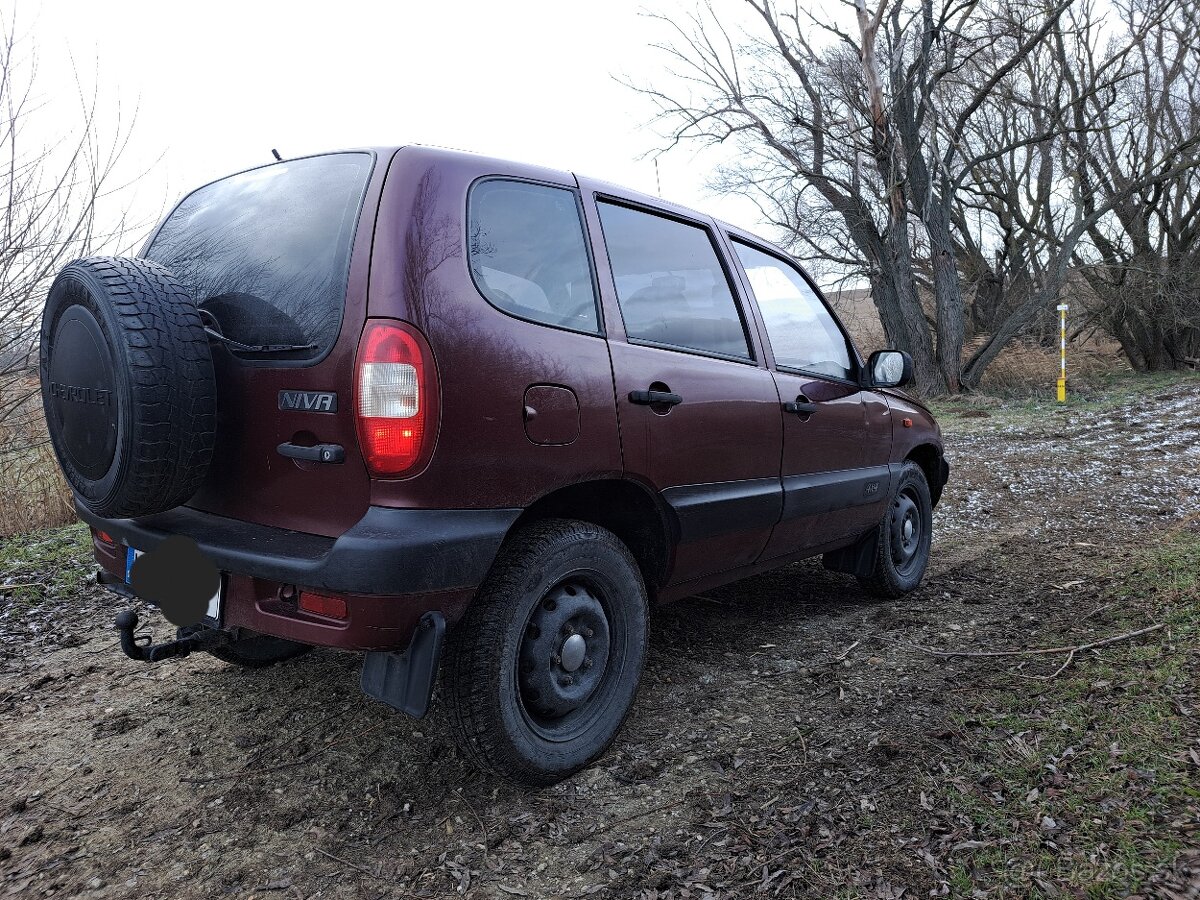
(127, 386)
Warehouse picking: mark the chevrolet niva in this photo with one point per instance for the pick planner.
(471, 416)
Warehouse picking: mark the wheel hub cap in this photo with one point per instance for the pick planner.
(574, 649)
(564, 652)
(906, 531)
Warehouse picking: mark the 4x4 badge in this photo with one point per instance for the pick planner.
(308, 401)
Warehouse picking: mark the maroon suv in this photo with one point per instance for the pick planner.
(368, 397)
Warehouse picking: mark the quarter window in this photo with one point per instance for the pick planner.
(528, 254)
(670, 283)
(803, 334)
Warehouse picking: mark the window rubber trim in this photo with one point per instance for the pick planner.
(774, 253)
(362, 202)
(734, 293)
(601, 331)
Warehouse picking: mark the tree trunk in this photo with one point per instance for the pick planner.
(894, 292)
(947, 292)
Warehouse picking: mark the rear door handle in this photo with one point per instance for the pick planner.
(800, 407)
(322, 453)
(654, 398)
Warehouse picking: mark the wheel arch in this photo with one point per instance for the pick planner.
(929, 458)
(626, 508)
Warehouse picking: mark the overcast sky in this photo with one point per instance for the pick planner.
(217, 84)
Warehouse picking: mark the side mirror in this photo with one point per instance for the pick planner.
(889, 368)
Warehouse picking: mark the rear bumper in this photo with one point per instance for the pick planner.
(388, 551)
(391, 567)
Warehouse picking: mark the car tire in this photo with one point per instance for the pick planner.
(903, 538)
(542, 671)
(253, 651)
(127, 385)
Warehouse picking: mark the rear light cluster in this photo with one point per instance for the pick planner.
(396, 397)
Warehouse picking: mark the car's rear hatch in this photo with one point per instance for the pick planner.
(277, 260)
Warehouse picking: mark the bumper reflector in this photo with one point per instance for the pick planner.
(322, 605)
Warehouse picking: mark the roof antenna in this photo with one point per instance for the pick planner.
(657, 179)
(275, 153)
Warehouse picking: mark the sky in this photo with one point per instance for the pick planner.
(216, 85)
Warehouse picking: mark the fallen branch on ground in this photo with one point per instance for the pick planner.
(1044, 651)
(846, 652)
(303, 760)
(376, 875)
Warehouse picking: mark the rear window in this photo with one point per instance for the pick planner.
(267, 252)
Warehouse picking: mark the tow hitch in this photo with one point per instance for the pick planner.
(143, 650)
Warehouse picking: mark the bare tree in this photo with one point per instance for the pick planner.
(52, 196)
(1143, 260)
(1050, 206)
(872, 148)
(58, 205)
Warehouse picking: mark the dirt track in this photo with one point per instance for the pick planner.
(784, 738)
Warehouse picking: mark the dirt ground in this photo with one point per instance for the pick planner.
(790, 738)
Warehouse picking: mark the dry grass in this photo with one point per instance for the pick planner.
(33, 493)
(858, 314)
(1026, 369)
(1022, 370)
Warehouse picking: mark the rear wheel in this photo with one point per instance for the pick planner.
(904, 536)
(543, 670)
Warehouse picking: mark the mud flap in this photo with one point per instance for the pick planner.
(405, 680)
(857, 559)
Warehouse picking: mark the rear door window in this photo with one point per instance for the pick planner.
(671, 286)
(802, 333)
(266, 253)
(528, 253)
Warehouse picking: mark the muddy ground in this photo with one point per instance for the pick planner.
(789, 738)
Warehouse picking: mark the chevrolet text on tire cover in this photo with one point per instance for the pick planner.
(471, 418)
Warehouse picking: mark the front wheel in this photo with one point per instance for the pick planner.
(542, 671)
(903, 538)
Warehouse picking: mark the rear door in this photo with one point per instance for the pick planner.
(277, 262)
(698, 411)
(830, 492)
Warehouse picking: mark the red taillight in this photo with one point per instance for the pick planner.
(322, 605)
(105, 538)
(395, 395)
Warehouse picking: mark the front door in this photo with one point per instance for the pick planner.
(699, 414)
(830, 493)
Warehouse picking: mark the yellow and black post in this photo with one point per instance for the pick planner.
(1062, 343)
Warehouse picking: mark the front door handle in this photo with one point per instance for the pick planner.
(654, 398)
(800, 407)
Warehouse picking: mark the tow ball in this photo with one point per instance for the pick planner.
(141, 648)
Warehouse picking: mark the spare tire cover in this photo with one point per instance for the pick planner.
(127, 386)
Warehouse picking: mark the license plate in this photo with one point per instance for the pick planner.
(212, 612)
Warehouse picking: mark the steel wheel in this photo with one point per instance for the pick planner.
(906, 530)
(563, 658)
